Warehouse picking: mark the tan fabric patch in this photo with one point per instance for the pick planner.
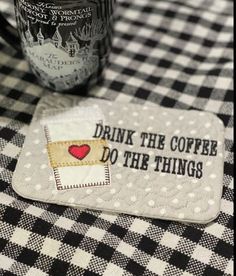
(76, 153)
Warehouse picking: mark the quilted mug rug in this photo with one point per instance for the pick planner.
(123, 158)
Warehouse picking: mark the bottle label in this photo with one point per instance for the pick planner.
(64, 42)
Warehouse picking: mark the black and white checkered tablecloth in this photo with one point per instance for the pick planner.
(174, 53)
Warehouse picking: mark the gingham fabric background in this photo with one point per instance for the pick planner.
(173, 53)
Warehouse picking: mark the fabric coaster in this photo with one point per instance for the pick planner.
(146, 161)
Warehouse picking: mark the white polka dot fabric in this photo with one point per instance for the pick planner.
(154, 192)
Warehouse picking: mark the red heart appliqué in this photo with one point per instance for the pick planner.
(79, 152)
